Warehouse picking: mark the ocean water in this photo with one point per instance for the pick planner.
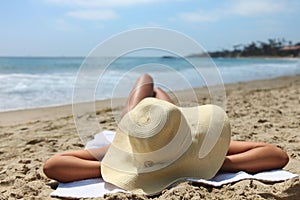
(41, 82)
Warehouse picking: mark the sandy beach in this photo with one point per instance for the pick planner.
(265, 110)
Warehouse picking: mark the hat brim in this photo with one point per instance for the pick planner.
(210, 130)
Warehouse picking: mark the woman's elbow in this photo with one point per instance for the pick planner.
(282, 157)
(50, 167)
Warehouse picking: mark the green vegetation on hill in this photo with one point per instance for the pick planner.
(272, 48)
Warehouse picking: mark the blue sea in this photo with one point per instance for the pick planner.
(41, 82)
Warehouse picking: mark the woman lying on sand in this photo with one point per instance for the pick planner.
(250, 157)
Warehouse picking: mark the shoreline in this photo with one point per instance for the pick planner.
(19, 116)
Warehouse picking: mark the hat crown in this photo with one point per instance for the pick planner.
(153, 124)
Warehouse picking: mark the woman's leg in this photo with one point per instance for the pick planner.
(253, 157)
(75, 165)
(143, 88)
(160, 94)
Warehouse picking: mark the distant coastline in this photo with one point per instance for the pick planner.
(274, 48)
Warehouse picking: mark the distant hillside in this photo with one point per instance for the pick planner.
(272, 48)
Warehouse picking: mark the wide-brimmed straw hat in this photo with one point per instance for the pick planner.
(158, 143)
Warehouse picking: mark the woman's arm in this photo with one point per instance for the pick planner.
(253, 157)
(75, 165)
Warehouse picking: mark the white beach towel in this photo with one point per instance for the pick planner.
(91, 188)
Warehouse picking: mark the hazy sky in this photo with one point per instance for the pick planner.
(75, 27)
